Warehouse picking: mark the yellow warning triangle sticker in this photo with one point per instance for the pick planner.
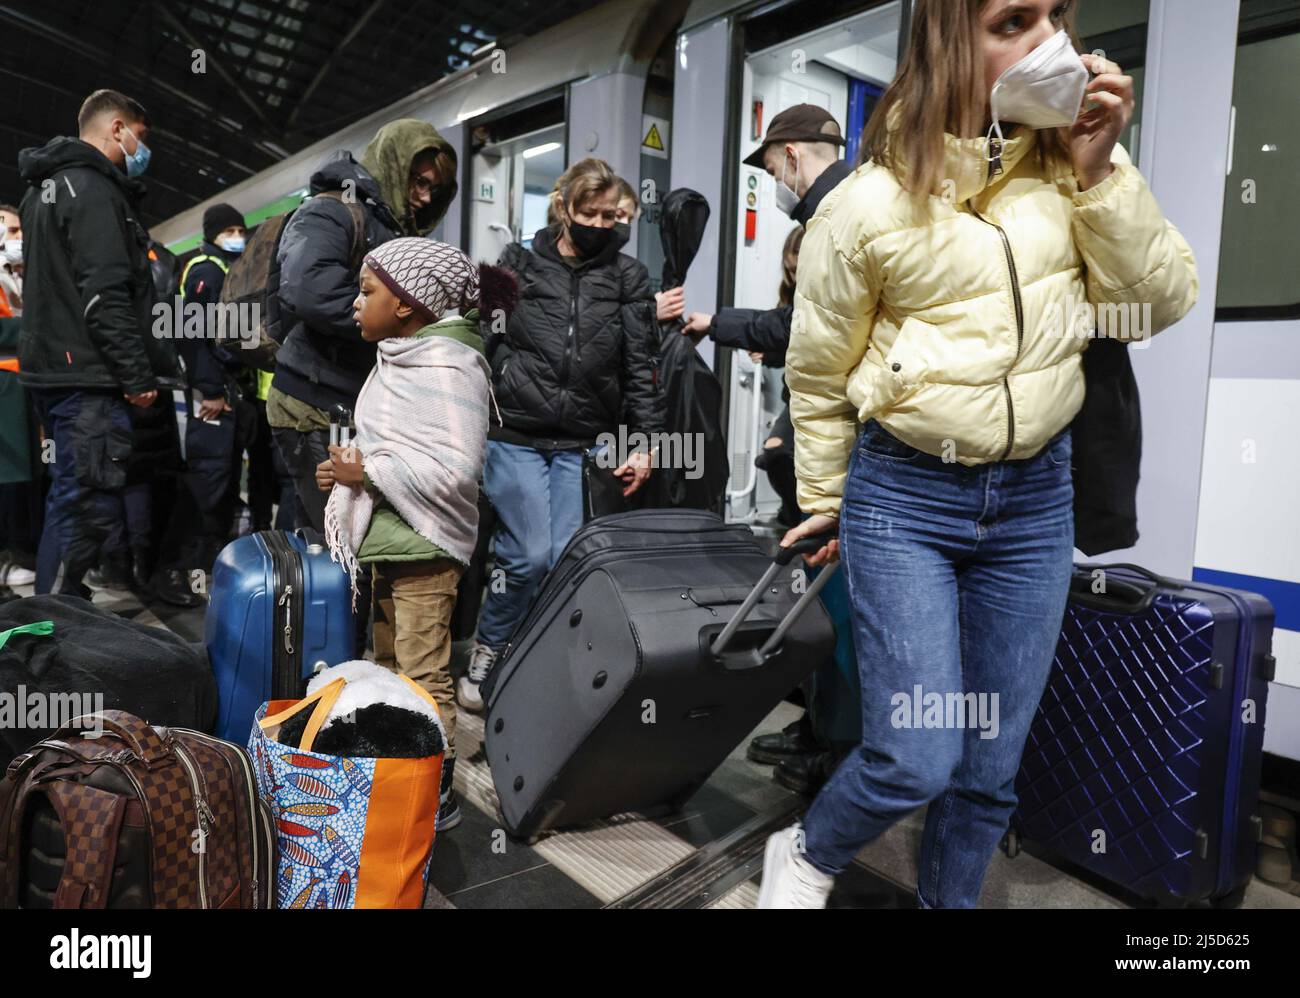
(652, 139)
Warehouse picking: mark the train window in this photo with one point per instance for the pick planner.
(1118, 30)
(511, 180)
(1261, 206)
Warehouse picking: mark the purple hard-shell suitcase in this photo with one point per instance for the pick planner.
(280, 610)
(1143, 761)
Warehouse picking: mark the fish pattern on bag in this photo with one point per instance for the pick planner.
(320, 845)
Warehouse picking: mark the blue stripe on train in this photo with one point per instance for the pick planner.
(1285, 596)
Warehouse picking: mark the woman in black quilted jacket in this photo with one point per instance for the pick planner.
(574, 361)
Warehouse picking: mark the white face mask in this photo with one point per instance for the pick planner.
(1042, 90)
(786, 198)
(13, 251)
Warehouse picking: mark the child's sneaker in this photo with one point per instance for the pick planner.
(481, 660)
(789, 880)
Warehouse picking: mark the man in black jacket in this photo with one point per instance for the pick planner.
(801, 152)
(403, 185)
(86, 349)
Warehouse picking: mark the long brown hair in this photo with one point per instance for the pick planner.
(938, 89)
(791, 249)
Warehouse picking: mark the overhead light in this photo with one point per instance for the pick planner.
(464, 115)
(545, 147)
(1266, 147)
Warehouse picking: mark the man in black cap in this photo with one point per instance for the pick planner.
(801, 152)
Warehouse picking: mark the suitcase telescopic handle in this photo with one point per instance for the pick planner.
(340, 425)
(783, 557)
(1128, 595)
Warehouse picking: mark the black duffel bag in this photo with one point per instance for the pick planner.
(92, 659)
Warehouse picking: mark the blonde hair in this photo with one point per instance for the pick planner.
(577, 185)
(938, 89)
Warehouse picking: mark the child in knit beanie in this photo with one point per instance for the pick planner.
(404, 494)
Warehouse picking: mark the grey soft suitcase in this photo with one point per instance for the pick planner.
(620, 692)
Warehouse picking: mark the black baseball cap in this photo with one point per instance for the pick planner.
(801, 123)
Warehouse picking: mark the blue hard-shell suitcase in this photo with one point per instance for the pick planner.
(280, 609)
(1143, 761)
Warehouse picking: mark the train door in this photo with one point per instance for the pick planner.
(843, 67)
(514, 163)
(1247, 535)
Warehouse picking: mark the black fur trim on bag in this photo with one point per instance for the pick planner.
(379, 731)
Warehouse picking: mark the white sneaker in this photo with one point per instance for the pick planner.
(480, 661)
(16, 575)
(789, 880)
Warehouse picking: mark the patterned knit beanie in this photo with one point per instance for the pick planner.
(430, 276)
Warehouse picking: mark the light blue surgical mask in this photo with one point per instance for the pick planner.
(232, 244)
(135, 162)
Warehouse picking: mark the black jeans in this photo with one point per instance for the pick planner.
(778, 462)
(301, 453)
(269, 481)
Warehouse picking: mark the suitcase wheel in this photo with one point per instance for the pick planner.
(1011, 843)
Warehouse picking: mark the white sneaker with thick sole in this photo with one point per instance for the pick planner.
(789, 880)
(15, 575)
(480, 661)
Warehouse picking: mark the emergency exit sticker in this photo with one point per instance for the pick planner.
(654, 136)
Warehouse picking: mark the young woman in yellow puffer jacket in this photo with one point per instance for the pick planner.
(946, 292)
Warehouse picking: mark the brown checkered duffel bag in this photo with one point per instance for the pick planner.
(113, 813)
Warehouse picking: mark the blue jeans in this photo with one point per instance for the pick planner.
(537, 495)
(958, 578)
(91, 435)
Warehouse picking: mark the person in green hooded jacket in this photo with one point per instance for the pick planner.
(401, 187)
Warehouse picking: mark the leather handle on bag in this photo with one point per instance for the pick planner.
(323, 699)
(143, 740)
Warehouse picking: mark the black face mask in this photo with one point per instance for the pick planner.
(589, 240)
(622, 233)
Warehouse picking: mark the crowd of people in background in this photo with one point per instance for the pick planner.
(122, 494)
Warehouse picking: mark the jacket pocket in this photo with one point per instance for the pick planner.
(101, 445)
(882, 385)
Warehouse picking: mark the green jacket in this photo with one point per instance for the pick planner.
(389, 538)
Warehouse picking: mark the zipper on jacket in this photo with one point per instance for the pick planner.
(572, 338)
(1020, 327)
(995, 163)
